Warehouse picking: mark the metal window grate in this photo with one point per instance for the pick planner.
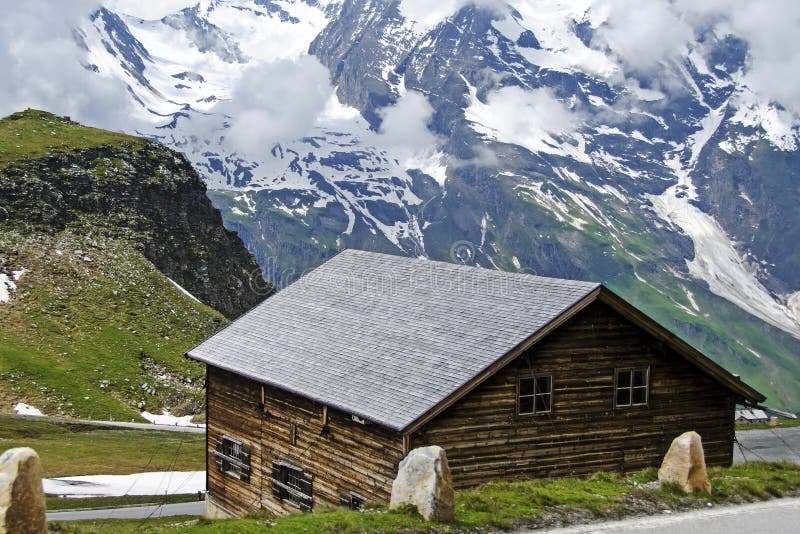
(290, 484)
(233, 458)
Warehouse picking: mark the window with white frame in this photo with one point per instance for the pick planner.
(535, 395)
(631, 386)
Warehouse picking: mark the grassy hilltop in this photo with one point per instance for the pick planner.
(95, 226)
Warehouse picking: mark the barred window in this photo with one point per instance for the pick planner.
(290, 484)
(233, 458)
(535, 395)
(352, 500)
(631, 386)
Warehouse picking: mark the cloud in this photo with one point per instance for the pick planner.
(41, 65)
(149, 10)
(275, 103)
(535, 119)
(642, 33)
(645, 34)
(428, 14)
(771, 29)
(404, 133)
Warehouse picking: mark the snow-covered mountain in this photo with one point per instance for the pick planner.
(513, 135)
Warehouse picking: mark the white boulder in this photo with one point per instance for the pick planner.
(424, 480)
(685, 464)
(22, 504)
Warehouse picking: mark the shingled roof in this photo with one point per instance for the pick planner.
(392, 339)
(387, 337)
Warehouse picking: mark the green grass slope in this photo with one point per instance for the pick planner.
(94, 330)
(32, 134)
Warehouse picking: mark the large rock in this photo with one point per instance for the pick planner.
(22, 504)
(423, 480)
(685, 464)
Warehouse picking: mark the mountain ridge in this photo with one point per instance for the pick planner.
(548, 155)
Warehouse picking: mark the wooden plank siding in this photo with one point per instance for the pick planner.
(485, 439)
(347, 456)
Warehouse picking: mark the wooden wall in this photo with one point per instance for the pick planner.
(348, 457)
(486, 440)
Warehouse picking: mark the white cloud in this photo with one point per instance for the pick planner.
(427, 14)
(275, 103)
(534, 119)
(41, 66)
(148, 10)
(645, 34)
(404, 132)
(642, 34)
(771, 29)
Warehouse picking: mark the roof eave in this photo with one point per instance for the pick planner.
(267, 382)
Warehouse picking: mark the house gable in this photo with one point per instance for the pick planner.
(486, 438)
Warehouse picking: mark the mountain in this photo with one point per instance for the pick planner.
(510, 135)
(113, 263)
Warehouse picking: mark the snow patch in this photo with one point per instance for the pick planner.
(21, 408)
(793, 302)
(7, 286)
(716, 260)
(166, 419)
(757, 113)
(690, 296)
(176, 284)
(160, 483)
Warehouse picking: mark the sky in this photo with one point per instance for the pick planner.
(41, 63)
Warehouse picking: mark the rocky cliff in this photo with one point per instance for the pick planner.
(137, 190)
(108, 245)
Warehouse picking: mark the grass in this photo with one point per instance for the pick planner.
(72, 449)
(505, 505)
(122, 526)
(60, 503)
(33, 134)
(95, 331)
(781, 423)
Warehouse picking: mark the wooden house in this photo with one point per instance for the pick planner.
(316, 394)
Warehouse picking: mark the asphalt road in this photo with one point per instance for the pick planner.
(780, 516)
(770, 445)
(131, 512)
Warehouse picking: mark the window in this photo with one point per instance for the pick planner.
(535, 395)
(631, 385)
(232, 458)
(352, 500)
(291, 485)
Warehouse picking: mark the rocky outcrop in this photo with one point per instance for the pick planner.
(424, 480)
(22, 503)
(149, 194)
(685, 464)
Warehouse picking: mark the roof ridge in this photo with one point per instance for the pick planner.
(454, 265)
